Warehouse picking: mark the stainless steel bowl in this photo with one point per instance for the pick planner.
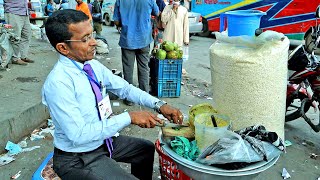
(200, 171)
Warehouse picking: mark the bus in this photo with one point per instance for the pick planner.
(290, 17)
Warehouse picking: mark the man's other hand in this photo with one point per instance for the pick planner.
(171, 113)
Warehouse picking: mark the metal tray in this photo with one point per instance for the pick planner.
(201, 171)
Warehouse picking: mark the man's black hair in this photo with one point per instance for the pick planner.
(57, 25)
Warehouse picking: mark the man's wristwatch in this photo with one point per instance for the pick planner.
(158, 105)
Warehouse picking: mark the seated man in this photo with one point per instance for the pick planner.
(75, 94)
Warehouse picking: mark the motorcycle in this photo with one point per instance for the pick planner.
(306, 67)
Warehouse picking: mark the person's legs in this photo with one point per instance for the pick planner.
(97, 26)
(128, 59)
(25, 39)
(17, 24)
(143, 68)
(93, 166)
(139, 152)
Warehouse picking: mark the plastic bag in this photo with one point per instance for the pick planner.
(233, 149)
(185, 50)
(5, 49)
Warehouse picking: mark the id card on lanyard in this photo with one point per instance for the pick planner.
(104, 106)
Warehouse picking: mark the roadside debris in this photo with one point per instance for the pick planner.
(285, 174)
(6, 159)
(287, 143)
(184, 72)
(35, 137)
(23, 143)
(30, 148)
(102, 46)
(37, 134)
(313, 156)
(16, 176)
(115, 104)
(13, 148)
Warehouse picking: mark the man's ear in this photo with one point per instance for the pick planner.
(63, 48)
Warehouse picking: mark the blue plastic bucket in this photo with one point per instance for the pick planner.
(241, 22)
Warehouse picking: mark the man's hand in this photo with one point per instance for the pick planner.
(175, 5)
(171, 113)
(144, 119)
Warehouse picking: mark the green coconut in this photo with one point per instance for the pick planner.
(172, 55)
(161, 54)
(180, 54)
(168, 46)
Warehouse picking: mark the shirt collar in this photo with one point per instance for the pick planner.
(68, 62)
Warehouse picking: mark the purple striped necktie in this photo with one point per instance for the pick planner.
(88, 69)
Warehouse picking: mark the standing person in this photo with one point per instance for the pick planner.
(97, 25)
(89, 5)
(158, 27)
(64, 5)
(177, 23)
(134, 18)
(82, 6)
(16, 13)
(84, 142)
(50, 7)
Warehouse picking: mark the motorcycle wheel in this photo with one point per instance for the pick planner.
(296, 112)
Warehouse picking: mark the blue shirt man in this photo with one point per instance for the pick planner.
(134, 19)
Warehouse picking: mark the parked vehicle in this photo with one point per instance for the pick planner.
(292, 18)
(195, 23)
(107, 11)
(304, 62)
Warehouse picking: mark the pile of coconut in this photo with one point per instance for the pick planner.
(168, 50)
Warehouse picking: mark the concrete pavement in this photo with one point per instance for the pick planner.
(21, 110)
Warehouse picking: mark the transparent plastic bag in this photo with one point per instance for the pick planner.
(185, 50)
(233, 149)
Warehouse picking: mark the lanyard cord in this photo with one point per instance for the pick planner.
(90, 78)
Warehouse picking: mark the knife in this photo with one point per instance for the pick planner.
(169, 124)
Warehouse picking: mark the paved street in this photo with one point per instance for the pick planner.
(21, 87)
